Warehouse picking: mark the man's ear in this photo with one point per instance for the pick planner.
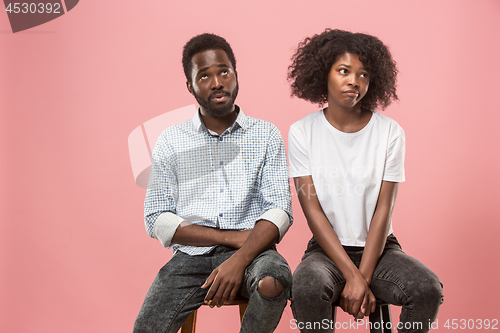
(189, 87)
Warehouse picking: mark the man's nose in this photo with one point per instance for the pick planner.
(217, 83)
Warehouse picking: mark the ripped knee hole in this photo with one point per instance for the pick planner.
(269, 287)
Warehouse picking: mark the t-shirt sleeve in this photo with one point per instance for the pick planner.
(395, 159)
(298, 154)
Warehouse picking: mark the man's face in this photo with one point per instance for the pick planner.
(214, 83)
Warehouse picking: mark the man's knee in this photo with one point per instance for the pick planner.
(270, 287)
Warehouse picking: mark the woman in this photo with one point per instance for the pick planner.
(347, 161)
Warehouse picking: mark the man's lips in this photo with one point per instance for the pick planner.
(219, 97)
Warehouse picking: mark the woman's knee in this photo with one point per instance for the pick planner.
(428, 292)
(434, 291)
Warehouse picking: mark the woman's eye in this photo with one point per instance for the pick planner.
(343, 71)
(365, 75)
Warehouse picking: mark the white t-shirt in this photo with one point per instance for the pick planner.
(347, 169)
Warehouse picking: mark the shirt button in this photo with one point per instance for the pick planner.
(220, 215)
(221, 138)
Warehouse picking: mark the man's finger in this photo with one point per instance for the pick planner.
(210, 279)
(217, 295)
(211, 299)
(233, 294)
(224, 297)
(213, 282)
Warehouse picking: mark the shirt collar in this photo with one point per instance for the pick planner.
(241, 121)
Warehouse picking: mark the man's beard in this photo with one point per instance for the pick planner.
(223, 110)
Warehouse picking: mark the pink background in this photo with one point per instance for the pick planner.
(75, 256)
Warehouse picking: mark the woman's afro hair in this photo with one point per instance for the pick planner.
(311, 64)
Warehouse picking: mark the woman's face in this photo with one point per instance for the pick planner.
(348, 81)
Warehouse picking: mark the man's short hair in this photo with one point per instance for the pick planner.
(202, 43)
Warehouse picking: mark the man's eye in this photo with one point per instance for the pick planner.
(226, 72)
(203, 77)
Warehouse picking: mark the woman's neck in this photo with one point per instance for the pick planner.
(348, 120)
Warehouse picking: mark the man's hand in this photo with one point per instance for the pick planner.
(224, 282)
(357, 298)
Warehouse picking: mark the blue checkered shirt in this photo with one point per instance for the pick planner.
(227, 182)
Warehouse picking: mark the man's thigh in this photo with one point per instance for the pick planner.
(175, 292)
(183, 272)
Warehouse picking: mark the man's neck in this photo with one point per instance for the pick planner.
(219, 124)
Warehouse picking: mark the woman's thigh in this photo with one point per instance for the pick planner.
(399, 278)
(317, 278)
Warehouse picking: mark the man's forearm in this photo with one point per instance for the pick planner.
(196, 235)
(262, 237)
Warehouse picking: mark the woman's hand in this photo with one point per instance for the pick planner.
(356, 297)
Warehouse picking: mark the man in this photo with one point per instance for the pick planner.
(218, 193)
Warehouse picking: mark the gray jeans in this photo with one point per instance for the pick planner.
(176, 292)
(398, 279)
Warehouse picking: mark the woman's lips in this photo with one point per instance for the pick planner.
(351, 93)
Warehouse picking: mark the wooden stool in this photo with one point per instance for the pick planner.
(378, 319)
(190, 325)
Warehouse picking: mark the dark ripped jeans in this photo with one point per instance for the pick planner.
(398, 279)
(176, 292)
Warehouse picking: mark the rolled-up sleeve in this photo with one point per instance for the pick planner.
(165, 226)
(159, 205)
(275, 185)
(279, 218)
